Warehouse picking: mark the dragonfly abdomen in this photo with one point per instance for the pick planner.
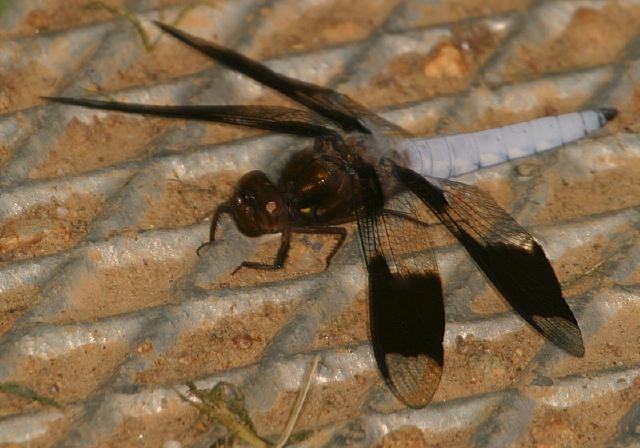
(454, 155)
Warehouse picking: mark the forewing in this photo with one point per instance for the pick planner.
(273, 118)
(405, 295)
(507, 254)
(330, 104)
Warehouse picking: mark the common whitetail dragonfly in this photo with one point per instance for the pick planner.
(362, 167)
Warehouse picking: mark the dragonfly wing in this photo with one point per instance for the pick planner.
(508, 255)
(405, 294)
(333, 105)
(273, 118)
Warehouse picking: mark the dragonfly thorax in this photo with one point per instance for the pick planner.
(316, 187)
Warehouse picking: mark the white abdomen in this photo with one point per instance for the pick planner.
(454, 155)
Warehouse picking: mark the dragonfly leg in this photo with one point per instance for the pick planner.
(278, 262)
(222, 208)
(326, 230)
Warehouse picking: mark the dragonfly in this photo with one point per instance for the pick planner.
(361, 167)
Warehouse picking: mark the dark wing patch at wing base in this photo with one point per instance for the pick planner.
(507, 254)
(405, 295)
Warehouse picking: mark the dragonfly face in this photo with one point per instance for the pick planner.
(257, 205)
(356, 170)
(313, 189)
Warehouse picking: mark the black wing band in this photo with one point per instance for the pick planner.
(507, 254)
(405, 296)
(273, 118)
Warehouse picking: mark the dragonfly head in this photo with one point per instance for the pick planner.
(258, 207)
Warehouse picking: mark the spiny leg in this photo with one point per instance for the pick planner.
(222, 208)
(278, 262)
(322, 230)
(285, 243)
